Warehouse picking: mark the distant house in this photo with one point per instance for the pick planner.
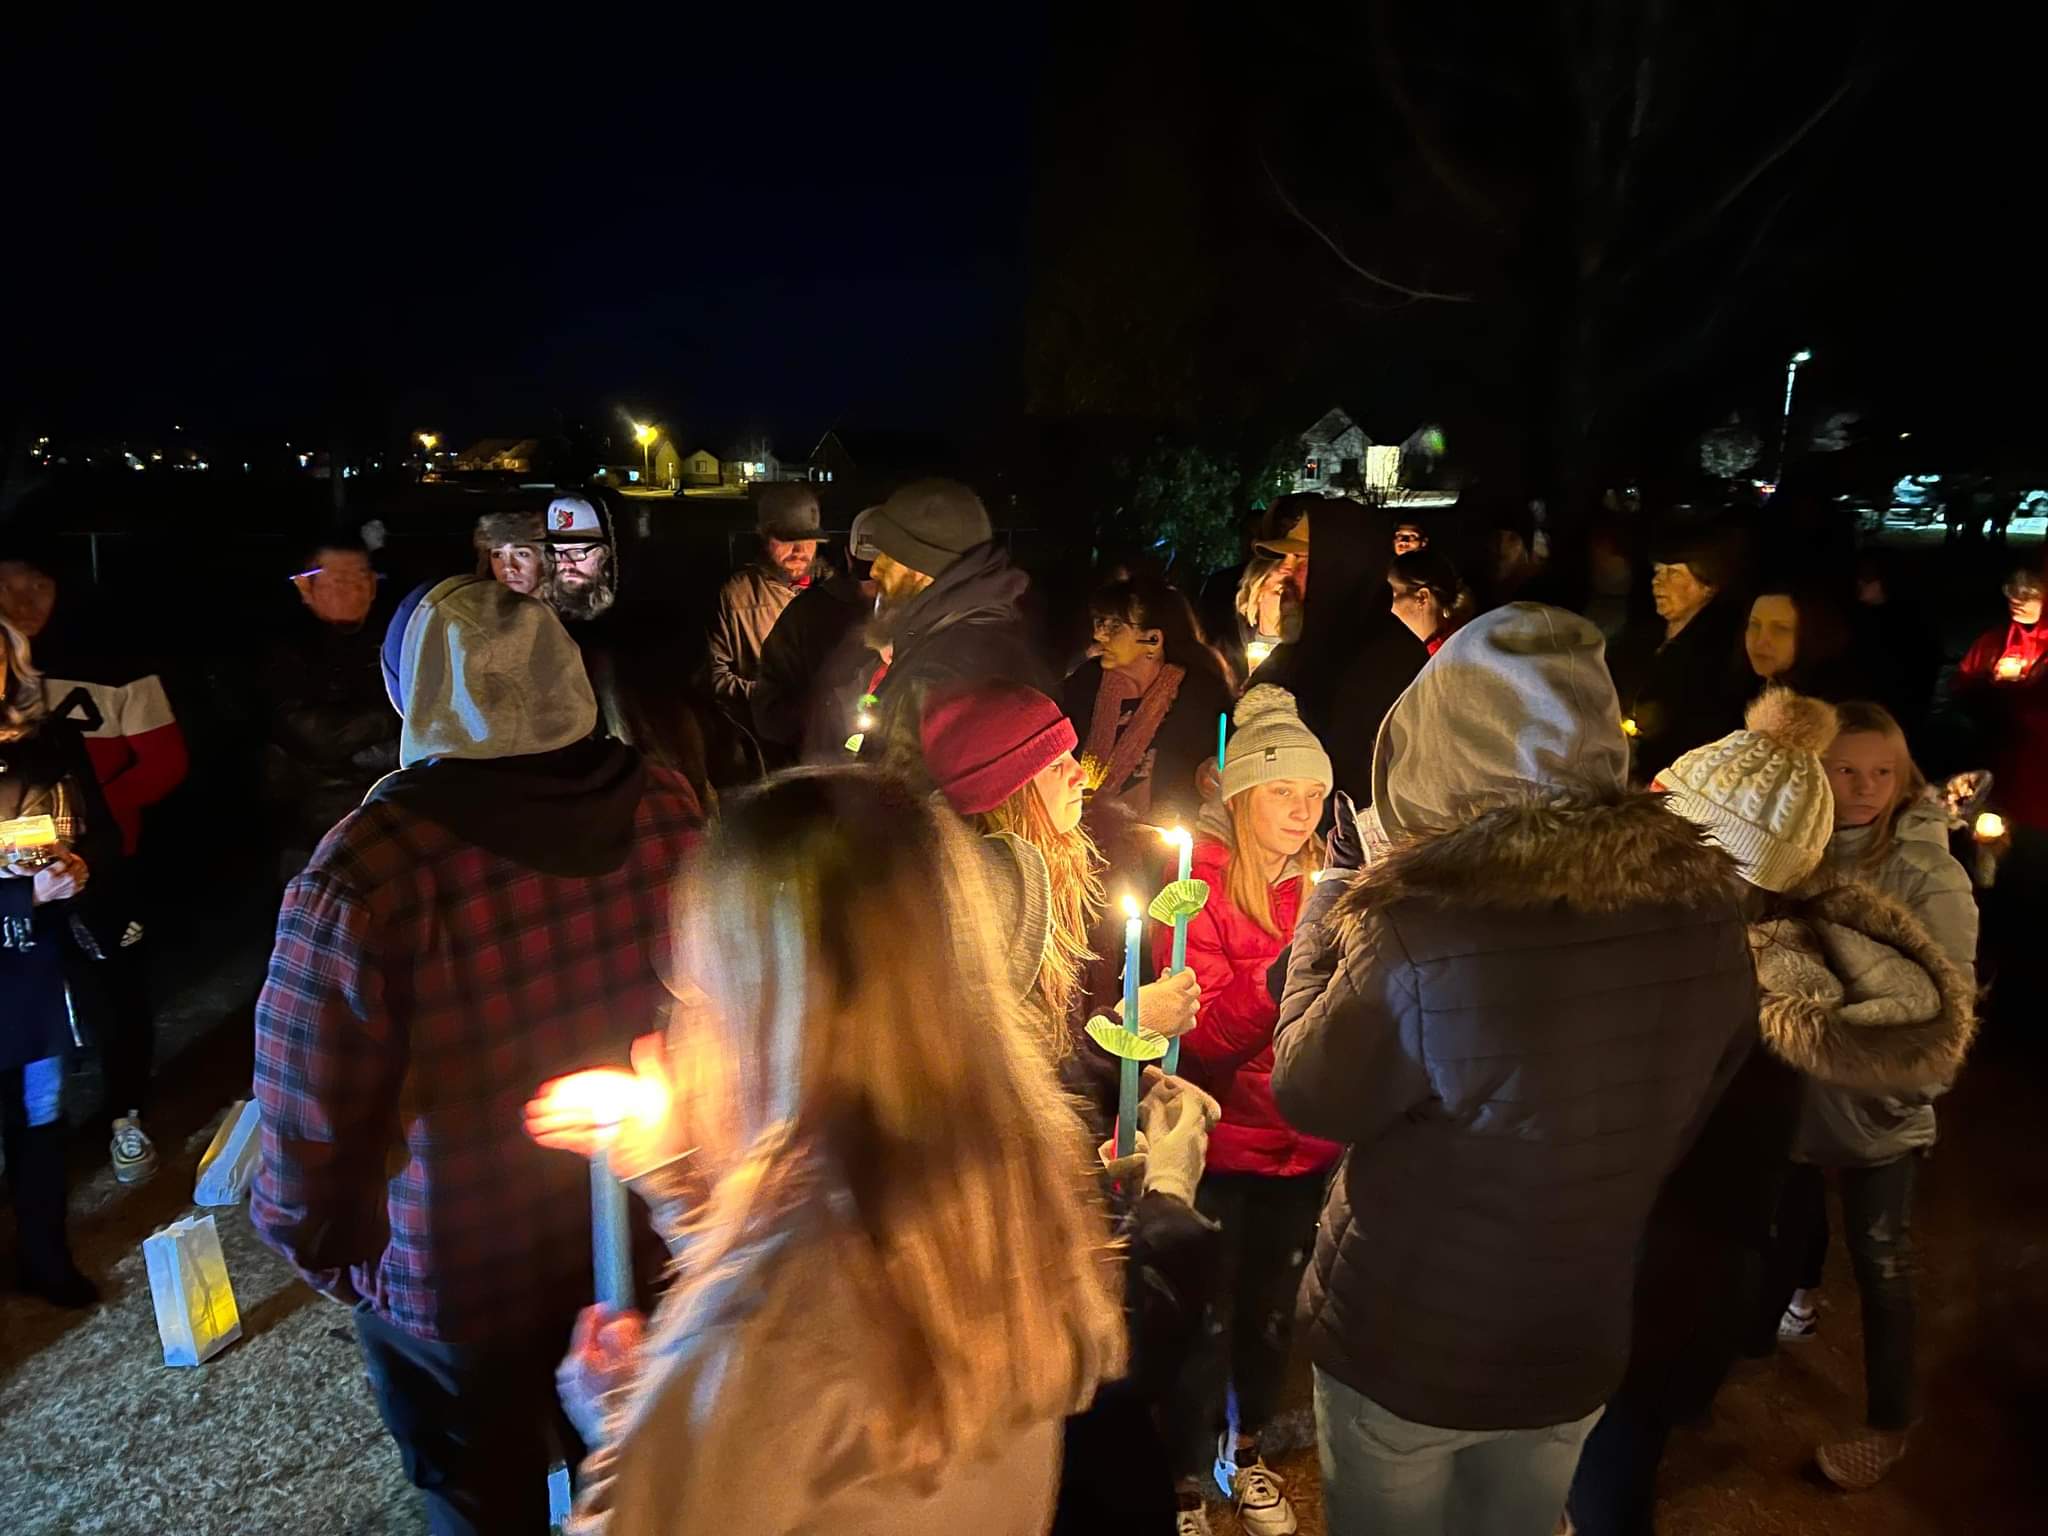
(667, 460)
(1333, 456)
(874, 463)
(700, 468)
(511, 455)
(756, 460)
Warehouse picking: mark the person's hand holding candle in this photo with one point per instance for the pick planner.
(604, 1354)
(606, 1109)
(1169, 1005)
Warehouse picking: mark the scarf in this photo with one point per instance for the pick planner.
(1122, 753)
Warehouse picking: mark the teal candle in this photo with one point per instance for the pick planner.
(1222, 736)
(1127, 1078)
(611, 1239)
(1179, 837)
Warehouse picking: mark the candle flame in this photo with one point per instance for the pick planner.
(864, 721)
(2011, 666)
(1256, 652)
(1990, 827)
(609, 1100)
(1176, 837)
(1131, 908)
(1630, 728)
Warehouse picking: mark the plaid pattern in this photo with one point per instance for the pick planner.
(420, 989)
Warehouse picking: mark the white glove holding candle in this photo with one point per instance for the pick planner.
(1167, 1006)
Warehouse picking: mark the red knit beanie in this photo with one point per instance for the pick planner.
(984, 743)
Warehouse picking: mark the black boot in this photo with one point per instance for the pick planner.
(35, 1167)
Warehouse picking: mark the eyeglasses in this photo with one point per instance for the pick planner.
(576, 551)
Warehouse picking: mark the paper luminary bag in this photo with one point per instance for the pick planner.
(229, 1166)
(196, 1315)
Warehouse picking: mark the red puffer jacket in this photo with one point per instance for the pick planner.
(1230, 1050)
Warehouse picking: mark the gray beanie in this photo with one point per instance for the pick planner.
(1271, 743)
(928, 524)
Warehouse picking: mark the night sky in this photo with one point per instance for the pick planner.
(488, 225)
(779, 224)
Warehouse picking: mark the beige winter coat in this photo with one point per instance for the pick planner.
(1861, 999)
(752, 1414)
(749, 603)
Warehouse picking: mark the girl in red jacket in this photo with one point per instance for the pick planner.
(1264, 1183)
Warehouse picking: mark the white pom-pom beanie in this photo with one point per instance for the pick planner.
(1762, 791)
(1271, 743)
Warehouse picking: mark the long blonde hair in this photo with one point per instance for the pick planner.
(1909, 784)
(1247, 890)
(21, 701)
(861, 1057)
(1075, 865)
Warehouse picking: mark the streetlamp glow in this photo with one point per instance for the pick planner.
(645, 436)
(1785, 417)
(1802, 356)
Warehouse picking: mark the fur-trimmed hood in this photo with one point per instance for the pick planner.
(1856, 994)
(1587, 851)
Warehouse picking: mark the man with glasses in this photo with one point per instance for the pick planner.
(583, 568)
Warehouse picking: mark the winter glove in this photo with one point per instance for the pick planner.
(1347, 849)
(1177, 1117)
(1168, 1006)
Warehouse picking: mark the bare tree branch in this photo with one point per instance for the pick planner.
(1339, 252)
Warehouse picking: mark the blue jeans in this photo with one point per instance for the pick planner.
(42, 1090)
(1386, 1476)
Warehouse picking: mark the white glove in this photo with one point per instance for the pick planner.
(1176, 1117)
(1168, 1006)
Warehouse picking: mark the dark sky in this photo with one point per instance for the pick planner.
(478, 226)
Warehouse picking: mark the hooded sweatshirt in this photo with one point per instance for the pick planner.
(1517, 1018)
(496, 744)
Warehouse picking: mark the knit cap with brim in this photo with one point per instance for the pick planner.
(1271, 743)
(985, 742)
(1762, 792)
(929, 524)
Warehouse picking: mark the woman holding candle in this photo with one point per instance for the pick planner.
(1148, 711)
(892, 1281)
(1256, 849)
(2003, 684)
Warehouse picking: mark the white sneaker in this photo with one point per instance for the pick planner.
(134, 1153)
(1796, 1327)
(1262, 1507)
(1192, 1522)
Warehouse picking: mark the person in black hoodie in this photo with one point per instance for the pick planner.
(952, 613)
(795, 713)
(44, 772)
(1353, 657)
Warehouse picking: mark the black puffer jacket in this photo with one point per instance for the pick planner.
(797, 703)
(1518, 1018)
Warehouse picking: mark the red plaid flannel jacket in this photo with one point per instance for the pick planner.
(420, 989)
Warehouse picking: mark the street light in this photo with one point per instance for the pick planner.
(1785, 417)
(644, 436)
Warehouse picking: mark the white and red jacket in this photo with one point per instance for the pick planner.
(137, 750)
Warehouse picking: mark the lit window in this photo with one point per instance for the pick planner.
(1311, 470)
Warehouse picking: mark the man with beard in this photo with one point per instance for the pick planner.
(583, 579)
(791, 702)
(951, 612)
(754, 597)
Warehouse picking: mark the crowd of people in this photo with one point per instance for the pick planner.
(1552, 959)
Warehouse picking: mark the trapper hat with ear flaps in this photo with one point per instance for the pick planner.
(482, 672)
(1762, 792)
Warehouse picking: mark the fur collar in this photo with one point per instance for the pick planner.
(1809, 1015)
(1587, 852)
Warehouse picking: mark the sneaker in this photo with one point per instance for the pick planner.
(1854, 1465)
(1262, 1507)
(1192, 1522)
(134, 1153)
(1797, 1326)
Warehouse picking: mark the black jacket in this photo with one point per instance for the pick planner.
(33, 1019)
(1354, 657)
(796, 709)
(1683, 692)
(966, 627)
(1519, 1025)
(1186, 739)
(332, 729)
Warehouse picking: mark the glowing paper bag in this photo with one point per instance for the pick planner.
(196, 1315)
(229, 1166)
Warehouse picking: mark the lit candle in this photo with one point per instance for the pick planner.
(1178, 837)
(1990, 834)
(2011, 668)
(1222, 736)
(1255, 654)
(1127, 1077)
(611, 1240)
(606, 1100)
(1990, 827)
